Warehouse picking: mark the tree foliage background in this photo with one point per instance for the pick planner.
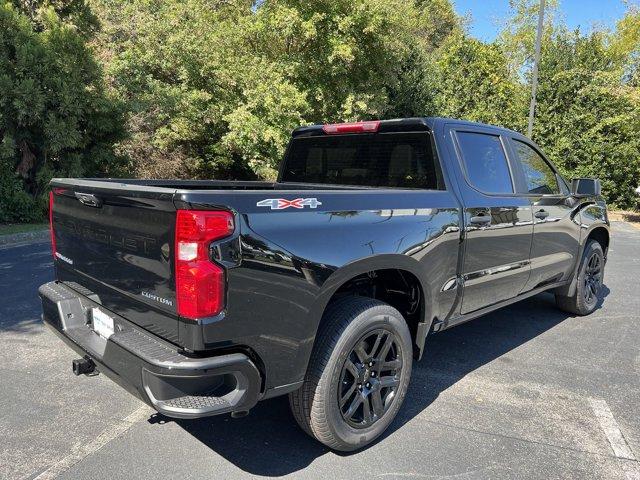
(212, 88)
(56, 116)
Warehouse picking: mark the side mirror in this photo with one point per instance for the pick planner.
(585, 187)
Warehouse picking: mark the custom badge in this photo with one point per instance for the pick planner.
(282, 203)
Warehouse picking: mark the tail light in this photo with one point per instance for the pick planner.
(200, 283)
(53, 234)
(355, 127)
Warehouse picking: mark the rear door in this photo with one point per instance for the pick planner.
(114, 243)
(498, 220)
(556, 233)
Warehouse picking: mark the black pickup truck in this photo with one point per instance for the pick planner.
(204, 297)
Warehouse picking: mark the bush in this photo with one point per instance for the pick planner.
(211, 88)
(55, 117)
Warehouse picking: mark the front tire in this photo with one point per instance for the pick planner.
(358, 374)
(588, 284)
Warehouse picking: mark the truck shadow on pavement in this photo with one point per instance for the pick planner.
(268, 441)
(22, 270)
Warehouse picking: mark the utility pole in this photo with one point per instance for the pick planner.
(536, 61)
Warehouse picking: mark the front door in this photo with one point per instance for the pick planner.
(556, 231)
(498, 221)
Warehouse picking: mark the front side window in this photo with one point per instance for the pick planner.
(540, 177)
(485, 162)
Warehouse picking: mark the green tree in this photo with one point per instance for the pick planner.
(223, 102)
(200, 105)
(587, 103)
(76, 13)
(588, 117)
(475, 83)
(625, 45)
(517, 38)
(55, 118)
(212, 88)
(415, 92)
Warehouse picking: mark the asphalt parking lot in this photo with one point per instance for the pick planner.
(526, 392)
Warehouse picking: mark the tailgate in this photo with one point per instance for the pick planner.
(114, 243)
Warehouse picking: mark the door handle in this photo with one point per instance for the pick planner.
(481, 219)
(541, 214)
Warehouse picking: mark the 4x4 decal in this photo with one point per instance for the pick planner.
(282, 203)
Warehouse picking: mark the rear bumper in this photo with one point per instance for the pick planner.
(148, 367)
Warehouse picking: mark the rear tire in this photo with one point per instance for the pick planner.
(586, 297)
(358, 374)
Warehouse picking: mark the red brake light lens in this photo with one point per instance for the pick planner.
(354, 127)
(53, 234)
(200, 283)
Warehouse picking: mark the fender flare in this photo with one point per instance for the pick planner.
(570, 288)
(359, 267)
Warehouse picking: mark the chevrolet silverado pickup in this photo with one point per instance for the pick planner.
(205, 297)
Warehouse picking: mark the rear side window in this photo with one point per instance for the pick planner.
(402, 160)
(485, 162)
(539, 175)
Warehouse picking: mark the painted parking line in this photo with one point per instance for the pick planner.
(611, 429)
(96, 444)
(619, 445)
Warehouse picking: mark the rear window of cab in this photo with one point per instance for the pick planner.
(397, 160)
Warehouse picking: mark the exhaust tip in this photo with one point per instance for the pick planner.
(239, 414)
(83, 366)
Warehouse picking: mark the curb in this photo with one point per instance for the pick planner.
(24, 238)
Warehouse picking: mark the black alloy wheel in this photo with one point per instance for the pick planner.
(593, 278)
(589, 280)
(370, 378)
(357, 376)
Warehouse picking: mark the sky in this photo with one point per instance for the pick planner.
(487, 15)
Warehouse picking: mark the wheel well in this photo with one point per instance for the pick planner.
(399, 288)
(600, 235)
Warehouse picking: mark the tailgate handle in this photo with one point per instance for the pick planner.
(89, 199)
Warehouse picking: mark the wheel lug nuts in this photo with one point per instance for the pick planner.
(373, 374)
(371, 364)
(368, 385)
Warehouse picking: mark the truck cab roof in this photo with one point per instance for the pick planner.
(411, 124)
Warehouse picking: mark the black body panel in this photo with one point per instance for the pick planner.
(121, 253)
(284, 265)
